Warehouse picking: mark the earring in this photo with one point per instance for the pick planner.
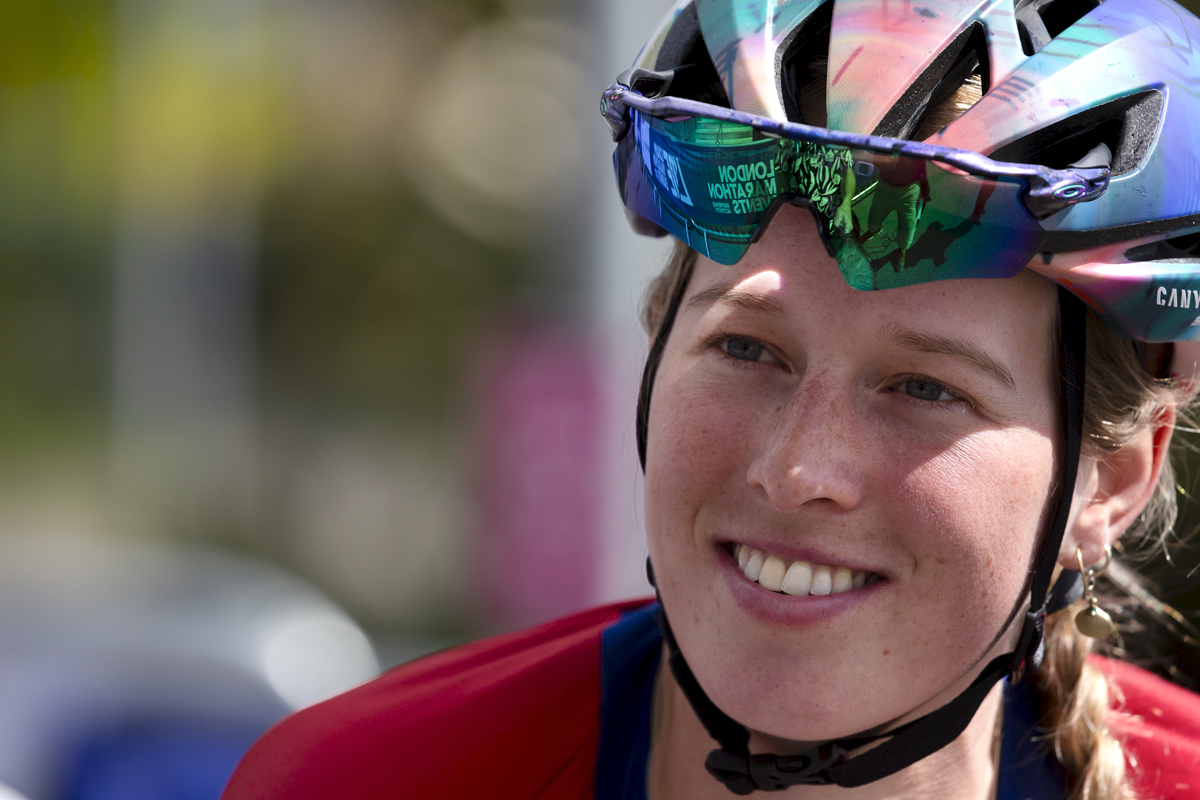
(1093, 621)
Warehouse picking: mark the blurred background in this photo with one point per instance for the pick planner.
(318, 352)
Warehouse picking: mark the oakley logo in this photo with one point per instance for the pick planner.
(1178, 298)
(670, 175)
(866, 170)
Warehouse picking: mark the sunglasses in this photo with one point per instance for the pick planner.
(891, 212)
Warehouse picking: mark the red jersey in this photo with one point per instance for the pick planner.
(562, 711)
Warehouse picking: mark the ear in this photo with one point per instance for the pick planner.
(1112, 489)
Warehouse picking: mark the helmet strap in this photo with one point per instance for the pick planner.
(830, 763)
(654, 357)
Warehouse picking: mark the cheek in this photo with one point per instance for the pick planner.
(703, 431)
(980, 507)
(694, 453)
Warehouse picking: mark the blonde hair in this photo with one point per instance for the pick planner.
(1120, 401)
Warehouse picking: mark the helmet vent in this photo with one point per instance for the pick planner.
(940, 115)
(1126, 126)
(804, 69)
(1040, 21)
(1177, 250)
(963, 63)
(685, 54)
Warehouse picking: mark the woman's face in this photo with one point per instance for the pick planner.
(907, 435)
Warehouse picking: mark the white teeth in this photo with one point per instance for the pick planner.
(798, 579)
(771, 576)
(754, 565)
(822, 580)
(842, 580)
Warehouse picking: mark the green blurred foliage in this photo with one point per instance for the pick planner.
(42, 40)
(56, 134)
(367, 297)
(370, 301)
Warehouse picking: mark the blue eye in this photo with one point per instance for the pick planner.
(745, 349)
(926, 390)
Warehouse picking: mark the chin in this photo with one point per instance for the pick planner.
(820, 668)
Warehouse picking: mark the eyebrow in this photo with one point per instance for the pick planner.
(929, 343)
(726, 293)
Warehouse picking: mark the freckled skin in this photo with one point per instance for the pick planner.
(824, 449)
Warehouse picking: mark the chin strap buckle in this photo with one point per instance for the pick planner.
(742, 774)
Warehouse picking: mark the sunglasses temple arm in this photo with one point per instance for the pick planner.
(1049, 190)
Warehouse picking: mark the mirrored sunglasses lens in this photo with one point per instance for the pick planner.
(711, 183)
(893, 220)
(905, 221)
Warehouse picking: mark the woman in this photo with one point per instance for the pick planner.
(875, 518)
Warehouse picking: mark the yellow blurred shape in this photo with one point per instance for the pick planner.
(194, 102)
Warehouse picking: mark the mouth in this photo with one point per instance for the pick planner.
(797, 578)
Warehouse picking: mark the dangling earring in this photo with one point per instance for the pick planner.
(1093, 621)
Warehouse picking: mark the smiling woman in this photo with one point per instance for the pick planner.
(844, 442)
(894, 448)
(898, 407)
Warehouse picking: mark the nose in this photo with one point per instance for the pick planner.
(811, 452)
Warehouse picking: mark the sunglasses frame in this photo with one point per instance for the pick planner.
(1047, 192)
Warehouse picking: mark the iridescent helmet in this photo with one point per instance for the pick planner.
(1076, 158)
(1065, 83)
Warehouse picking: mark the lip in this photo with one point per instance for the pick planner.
(784, 609)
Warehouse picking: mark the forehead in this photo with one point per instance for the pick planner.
(789, 275)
